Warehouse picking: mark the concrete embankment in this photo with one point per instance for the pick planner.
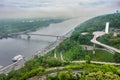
(13, 66)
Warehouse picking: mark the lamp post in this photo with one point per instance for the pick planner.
(93, 48)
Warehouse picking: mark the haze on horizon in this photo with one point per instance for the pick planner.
(56, 8)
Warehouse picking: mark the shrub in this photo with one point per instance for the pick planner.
(87, 58)
(32, 73)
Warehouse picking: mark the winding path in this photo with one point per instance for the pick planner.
(98, 34)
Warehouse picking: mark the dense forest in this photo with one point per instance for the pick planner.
(8, 26)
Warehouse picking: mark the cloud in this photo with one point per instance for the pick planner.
(53, 8)
(48, 3)
(118, 4)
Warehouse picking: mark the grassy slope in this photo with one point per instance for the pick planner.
(101, 55)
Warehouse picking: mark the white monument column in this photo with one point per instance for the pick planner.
(107, 28)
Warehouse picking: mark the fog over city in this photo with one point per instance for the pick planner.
(56, 8)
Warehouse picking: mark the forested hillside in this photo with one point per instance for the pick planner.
(98, 23)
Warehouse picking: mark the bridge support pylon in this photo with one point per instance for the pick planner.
(28, 37)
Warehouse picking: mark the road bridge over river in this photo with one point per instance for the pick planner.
(43, 35)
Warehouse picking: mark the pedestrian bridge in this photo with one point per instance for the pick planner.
(47, 35)
(44, 35)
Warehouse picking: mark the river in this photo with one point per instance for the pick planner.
(11, 47)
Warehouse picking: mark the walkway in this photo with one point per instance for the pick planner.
(55, 70)
(98, 34)
(97, 62)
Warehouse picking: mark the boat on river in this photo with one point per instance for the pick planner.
(17, 58)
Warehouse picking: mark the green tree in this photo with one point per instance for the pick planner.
(32, 73)
(63, 76)
(14, 75)
(117, 57)
(88, 59)
(52, 62)
(102, 76)
(3, 77)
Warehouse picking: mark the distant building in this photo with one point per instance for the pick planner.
(117, 12)
(117, 32)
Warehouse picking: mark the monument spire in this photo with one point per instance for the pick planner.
(107, 28)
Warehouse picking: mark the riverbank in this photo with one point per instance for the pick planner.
(58, 29)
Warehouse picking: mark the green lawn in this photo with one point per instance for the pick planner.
(99, 55)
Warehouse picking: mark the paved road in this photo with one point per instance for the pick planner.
(98, 34)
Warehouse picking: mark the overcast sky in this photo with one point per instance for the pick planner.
(55, 8)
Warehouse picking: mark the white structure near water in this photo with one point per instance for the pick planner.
(107, 28)
(17, 58)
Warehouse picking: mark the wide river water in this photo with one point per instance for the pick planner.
(13, 46)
